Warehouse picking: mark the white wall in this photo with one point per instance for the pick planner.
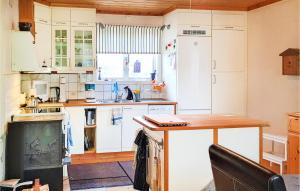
(271, 30)
(130, 20)
(9, 82)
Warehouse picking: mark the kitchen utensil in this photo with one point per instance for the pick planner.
(129, 93)
(32, 102)
(24, 26)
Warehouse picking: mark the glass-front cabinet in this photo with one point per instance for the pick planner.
(61, 47)
(83, 48)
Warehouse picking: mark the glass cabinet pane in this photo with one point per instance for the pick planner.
(83, 48)
(61, 48)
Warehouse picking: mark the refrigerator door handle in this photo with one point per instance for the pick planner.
(214, 79)
(214, 64)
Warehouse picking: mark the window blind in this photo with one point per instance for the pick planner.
(123, 39)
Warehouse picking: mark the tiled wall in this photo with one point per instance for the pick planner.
(74, 87)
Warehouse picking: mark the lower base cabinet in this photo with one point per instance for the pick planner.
(293, 162)
(76, 118)
(130, 127)
(109, 129)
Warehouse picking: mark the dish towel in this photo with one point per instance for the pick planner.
(69, 136)
(116, 116)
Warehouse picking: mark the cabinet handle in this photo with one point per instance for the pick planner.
(228, 27)
(127, 108)
(83, 24)
(214, 79)
(214, 64)
(43, 21)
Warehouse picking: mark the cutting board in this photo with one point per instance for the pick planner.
(165, 120)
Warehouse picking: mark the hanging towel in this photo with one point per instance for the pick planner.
(140, 176)
(69, 136)
(116, 116)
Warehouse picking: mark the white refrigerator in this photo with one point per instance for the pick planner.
(194, 74)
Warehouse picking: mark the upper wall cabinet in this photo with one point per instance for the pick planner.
(61, 38)
(194, 17)
(229, 19)
(42, 13)
(61, 16)
(83, 17)
(42, 17)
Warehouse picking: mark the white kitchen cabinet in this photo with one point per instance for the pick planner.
(83, 17)
(23, 52)
(108, 134)
(194, 17)
(161, 109)
(194, 72)
(130, 127)
(83, 49)
(61, 47)
(61, 16)
(42, 13)
(42, 17)
(229, 50)
(43, 44)
(229, 19)
(229, 93)
(77, 120)
(244, 141)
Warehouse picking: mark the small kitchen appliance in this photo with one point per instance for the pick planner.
(54, 94)
(90, 93)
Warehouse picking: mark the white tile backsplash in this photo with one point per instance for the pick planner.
(73, 78)
(74, 86)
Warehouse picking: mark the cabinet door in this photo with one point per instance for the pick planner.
(61, 47)
(61, 16)
(83, 47)
(108, 135)
(229, 19)
(244, 141)
(43, 44)
(83, 17)
(228, 50)
(293, 164)
(42, 13)
(76, 115)
(229, 93)
(194, 73)
(130, 127)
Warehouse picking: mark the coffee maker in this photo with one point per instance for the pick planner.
(90, 93)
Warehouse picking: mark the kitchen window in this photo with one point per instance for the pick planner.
(128, 52)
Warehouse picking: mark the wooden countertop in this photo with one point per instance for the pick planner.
(74, 103)
(206, 122)
(294, 114)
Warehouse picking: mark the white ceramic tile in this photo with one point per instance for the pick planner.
(99, 88)
(107, 88)
(107, 95)
(66, 76)
(99, 95)
(73, 87)
(82, 78)
(81, 95)
(81, 87)
(73, 95)
(54, 78)
(54, 84)
(73, 78)
(89, 77)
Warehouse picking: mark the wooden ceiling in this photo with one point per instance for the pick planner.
(158, 7)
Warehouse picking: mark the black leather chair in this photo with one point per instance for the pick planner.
(233, 172)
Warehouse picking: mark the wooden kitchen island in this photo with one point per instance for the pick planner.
(184, 155)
